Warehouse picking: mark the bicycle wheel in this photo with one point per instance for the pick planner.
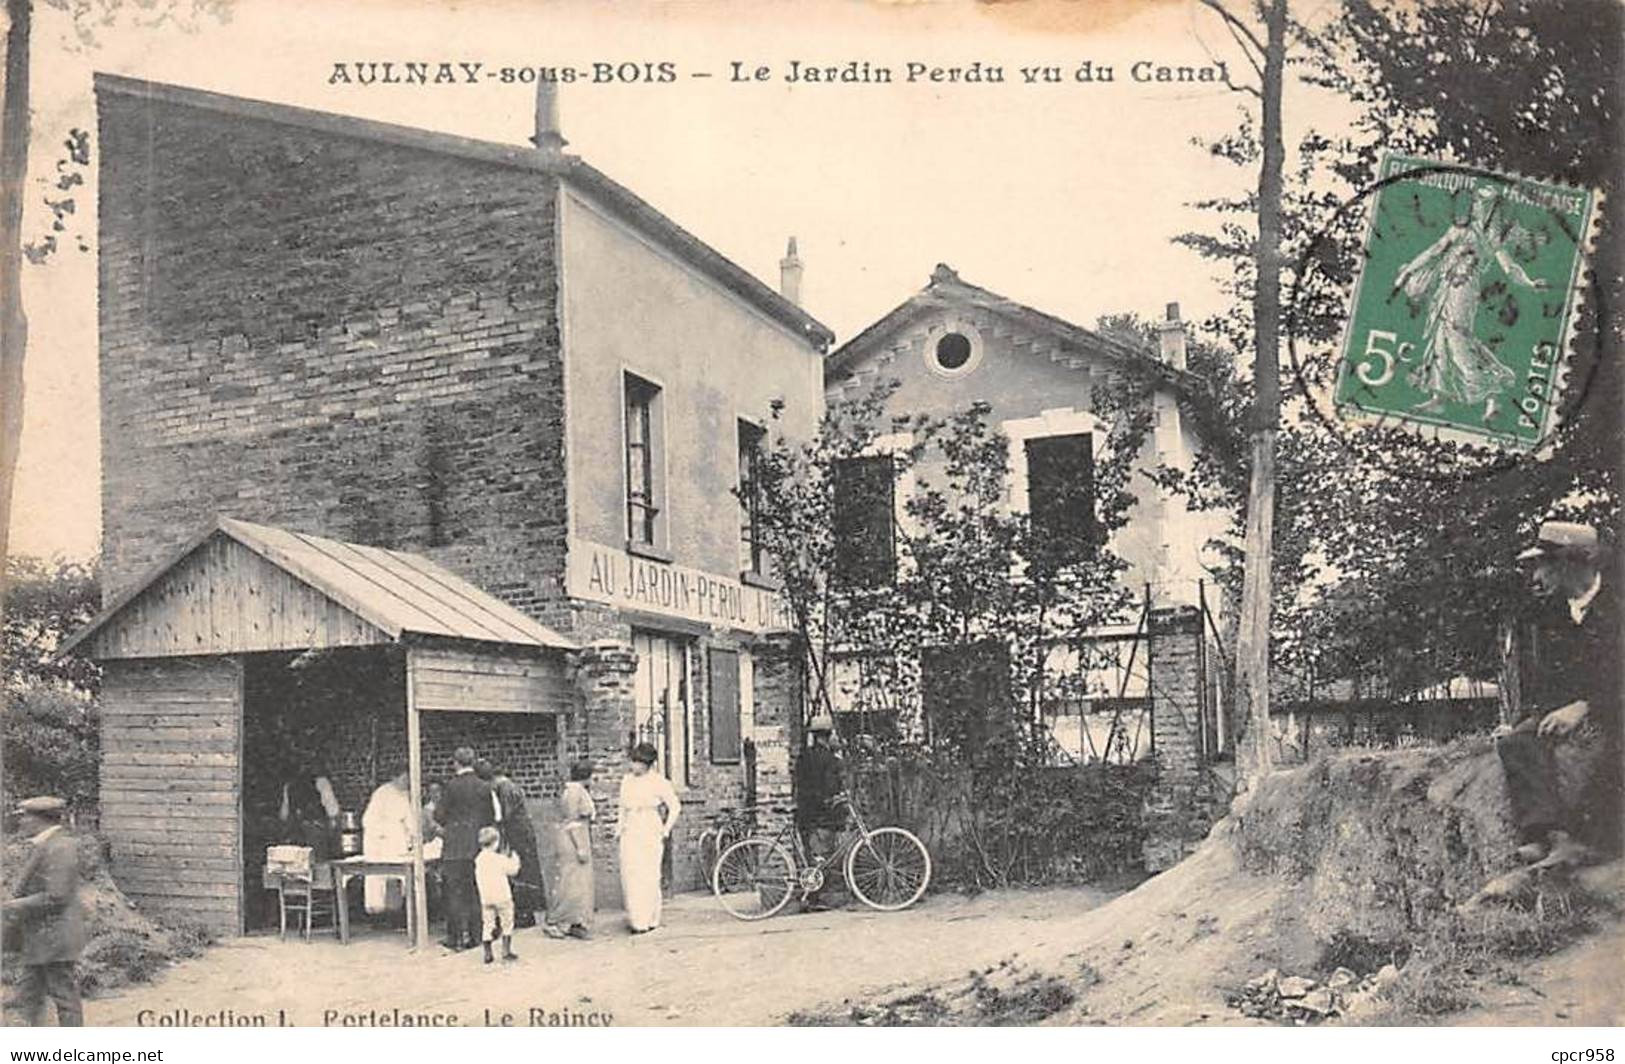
(888, 869)
(754, 878)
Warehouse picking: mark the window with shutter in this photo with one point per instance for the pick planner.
(643, 511)
(751, 554)
(1061, 492)
(865, 511)
(723, 674)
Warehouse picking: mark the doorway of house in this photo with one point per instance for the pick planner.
(660, 702)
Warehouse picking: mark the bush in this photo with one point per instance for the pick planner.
(50, 745)
(1018, 824)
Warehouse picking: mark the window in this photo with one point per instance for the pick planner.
(864, 511)
(965, 692)
(643, 512)
(726, 716)
(953, 351)
(1061, 491)
(751, 554)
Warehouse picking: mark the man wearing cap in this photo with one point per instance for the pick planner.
(819, 778)
(46, 915)
(1576, 685)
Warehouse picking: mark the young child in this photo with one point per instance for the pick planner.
(491, 871)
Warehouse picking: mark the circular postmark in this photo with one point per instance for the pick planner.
(1459, 332)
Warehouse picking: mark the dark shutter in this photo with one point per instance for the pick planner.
(724, 688)
(865, 507)
(1061, 492)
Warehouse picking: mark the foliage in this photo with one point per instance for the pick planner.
(1020, 825)
(51, 744)
(955, 638)
(50, 725)
(70, 175)
(1393, 553)
(46, 602)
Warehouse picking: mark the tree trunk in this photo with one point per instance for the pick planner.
(14, 133)
(1253, 639)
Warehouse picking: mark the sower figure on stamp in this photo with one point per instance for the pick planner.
(1576, 687)
(819, 778)
(47, 917)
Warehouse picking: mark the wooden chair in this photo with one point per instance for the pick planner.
(304, 887)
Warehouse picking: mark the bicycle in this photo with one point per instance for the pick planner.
(727, 827)
(886, 868)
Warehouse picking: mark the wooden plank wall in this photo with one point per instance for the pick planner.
(171, 786)
(461, 680)
(225, 599)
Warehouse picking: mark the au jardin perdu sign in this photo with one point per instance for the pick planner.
(613, 576)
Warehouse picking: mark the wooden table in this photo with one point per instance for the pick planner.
(373, 866)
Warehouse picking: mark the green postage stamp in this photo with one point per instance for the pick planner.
(1464, 306)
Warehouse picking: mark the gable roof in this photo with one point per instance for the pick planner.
(396, 593)
(620, 200)
(946, 291)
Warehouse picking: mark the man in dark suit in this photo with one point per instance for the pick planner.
(819, 778)
(1576, 688)
(1577, 685)
(466, 806)
(47, 916)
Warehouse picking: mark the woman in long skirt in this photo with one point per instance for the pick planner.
(572, 898)
(648, 811)
(519, 836)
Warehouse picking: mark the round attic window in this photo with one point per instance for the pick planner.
(953, 351)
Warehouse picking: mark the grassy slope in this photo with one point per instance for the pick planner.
(1358, 859)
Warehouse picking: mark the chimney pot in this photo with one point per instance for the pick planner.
(1171, 338)
(547, 137)
(790, 270)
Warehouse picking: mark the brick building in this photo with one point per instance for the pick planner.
(1155, 675)
(492, 357)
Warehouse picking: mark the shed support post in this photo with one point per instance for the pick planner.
(414, 768)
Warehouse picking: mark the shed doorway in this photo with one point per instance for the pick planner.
(336, 716)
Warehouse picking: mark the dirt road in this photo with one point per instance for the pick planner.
(702, 967)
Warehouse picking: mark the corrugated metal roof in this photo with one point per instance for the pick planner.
(396, 591)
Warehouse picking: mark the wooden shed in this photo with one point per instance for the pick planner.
(204, 659)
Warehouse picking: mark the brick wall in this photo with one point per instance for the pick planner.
(337, 335)
(1179, 810)
(528, 743)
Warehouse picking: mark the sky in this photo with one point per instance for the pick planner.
(1064, 195)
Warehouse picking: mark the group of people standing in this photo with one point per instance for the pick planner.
(490, 866)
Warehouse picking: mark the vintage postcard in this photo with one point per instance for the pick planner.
(555, 515)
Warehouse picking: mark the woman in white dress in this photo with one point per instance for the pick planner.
(648, 811)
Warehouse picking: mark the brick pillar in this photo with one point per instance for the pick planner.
(780, 713)
(603, 675)
(1177, 813)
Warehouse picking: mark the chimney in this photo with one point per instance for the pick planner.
(1171, 338)
(790, 274)
(548, 138)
